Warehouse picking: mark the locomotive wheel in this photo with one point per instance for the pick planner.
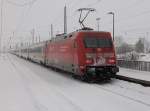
(87, 79)
(113, 75)
(82, 78)
(74, 76)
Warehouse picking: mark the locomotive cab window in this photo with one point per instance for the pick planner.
(95, 42)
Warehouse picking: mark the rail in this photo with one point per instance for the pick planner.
(137, 65)
(137, 81)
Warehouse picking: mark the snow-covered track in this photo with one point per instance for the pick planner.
(110, 90)
(48, 90)
(37, 104)
(134, 80)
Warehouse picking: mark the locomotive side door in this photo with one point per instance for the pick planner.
(75, 57)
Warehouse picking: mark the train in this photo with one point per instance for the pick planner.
(86, 54)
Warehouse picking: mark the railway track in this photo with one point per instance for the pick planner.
(134, 80)
(122, 95)
(130, 88)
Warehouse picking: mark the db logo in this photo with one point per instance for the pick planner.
(101, 60)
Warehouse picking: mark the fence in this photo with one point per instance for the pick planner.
(137, 65)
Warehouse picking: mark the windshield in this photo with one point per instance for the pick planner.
(95, 42)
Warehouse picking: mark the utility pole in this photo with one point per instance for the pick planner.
(113, 26)
(1, 33)
(113, 15)
(65, 20)
(10, 43)
(146, 43)
(98, 19)
(11, 40)
(36, 39)
(147, 34)
(32, 34)
(51, 31)
(39, 38)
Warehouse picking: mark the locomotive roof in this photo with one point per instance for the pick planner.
(64, 36)
(93, 31)
(88, 29)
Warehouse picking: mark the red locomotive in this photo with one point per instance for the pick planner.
(87, 54)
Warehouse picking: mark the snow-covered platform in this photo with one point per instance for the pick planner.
(26, 86)
(142, 75)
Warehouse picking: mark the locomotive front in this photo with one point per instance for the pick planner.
(97, 56)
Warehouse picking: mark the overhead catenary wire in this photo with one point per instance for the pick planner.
(136, 3)
(23, 15)
(95, 3)
(73, 5)
(137, 29)
(29, 4)
(141, 29)
(20, 4)
(57, 20)
(133, 16)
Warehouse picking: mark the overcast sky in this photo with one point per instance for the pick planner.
(132, 17)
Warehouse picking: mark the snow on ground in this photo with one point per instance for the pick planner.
(143, 75)
(145, 57)
(26, 86)
(14, 95)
